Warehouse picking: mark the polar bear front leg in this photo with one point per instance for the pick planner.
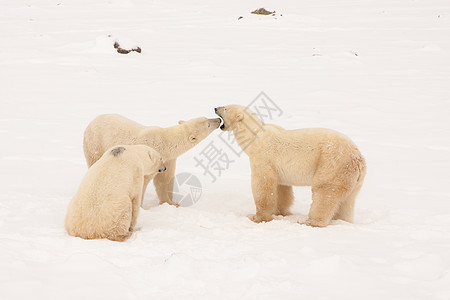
(164, 182)
(136, 198)
(144, 188)
(285, 199)
(265, 194)
(135, 205)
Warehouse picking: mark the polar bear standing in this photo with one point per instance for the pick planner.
(279, 159)
(108, 200)
(108, 130)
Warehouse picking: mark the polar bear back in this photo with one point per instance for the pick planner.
(298, 153)
(108, 130)
(120, 170)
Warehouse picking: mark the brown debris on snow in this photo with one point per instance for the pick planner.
(262, 11)
(125, 51)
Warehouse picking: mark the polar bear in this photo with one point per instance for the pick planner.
(108, 200)
(324, 159)
(108, 130)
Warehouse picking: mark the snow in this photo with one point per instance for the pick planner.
(375, 70)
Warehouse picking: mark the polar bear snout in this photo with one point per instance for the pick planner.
(216, 122)
(219, 111)
(161, 168)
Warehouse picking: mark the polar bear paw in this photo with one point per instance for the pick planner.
(259, 219)
(315, 223)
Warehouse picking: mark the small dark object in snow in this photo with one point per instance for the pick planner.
(262, 11)
(125, 51)
(240, 17)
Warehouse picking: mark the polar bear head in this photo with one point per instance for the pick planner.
(198, 129)
(150, 158)
(235, 115)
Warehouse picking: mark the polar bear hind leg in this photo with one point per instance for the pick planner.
(346, 209)
(119, 215)
(326, 200)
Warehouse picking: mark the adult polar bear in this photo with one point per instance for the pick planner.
(279, 159)
(108, 130)
(109, 197)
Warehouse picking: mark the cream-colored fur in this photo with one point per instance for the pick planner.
(324, 159)
(108, 130)
(109, 197)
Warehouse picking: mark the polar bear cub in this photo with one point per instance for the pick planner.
(279, 159)
(109, 197)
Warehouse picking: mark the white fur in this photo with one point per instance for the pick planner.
(108, 200)
(108, 130)
(322, 158)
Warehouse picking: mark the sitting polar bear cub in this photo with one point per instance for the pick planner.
(108, 200)
(279, 159)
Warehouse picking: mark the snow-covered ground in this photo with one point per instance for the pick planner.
(378, 71)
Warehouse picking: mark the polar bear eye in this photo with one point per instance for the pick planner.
(209, 125)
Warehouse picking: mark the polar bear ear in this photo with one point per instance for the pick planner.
(239, 117)
(181, 122)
